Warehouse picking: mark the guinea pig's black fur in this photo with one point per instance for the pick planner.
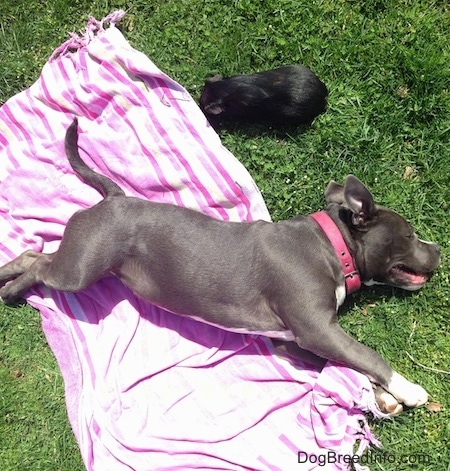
(289, 95)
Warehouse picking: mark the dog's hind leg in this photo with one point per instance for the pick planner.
(22, 273)
(19, 265)
(73, 267)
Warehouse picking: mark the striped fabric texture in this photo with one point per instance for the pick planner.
(147, 390)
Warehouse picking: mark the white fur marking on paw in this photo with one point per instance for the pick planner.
(387, 402)
(412, 395)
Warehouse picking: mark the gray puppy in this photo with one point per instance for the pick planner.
(284, 280)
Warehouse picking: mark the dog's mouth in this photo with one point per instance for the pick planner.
(407, 278)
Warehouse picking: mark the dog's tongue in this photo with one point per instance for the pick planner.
(411, 276)
(418, 278)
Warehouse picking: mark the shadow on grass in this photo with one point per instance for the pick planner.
(254, 130)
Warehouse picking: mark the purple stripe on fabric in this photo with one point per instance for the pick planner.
(82, 344)
(264, 350)
(305, 421)
(61, 73)
(289, 444)
(348, 377)
(340, 371)
(47, 95)
(108, 99)
(42, 118)
(161, 132)
(183, 160)
(14, 120)
(163, 182)
(90, 108)
(333, 393)
(216, 168)
(88, 456)
(3, 139)
(103, 97)
(14, 126)
(11, 158)
(269, 465)
(5, 250)
(331, 410)
(16, 233)
(271, 357)
(198, 186)
(331, 444)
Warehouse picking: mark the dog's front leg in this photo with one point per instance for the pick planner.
(290, 350)
(333, 343)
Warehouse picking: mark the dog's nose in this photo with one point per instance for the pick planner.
(431, 246)
(437, 249)
(437, 255)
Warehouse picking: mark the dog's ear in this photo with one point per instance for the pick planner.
(215, 108)
(352, 195)
(359, 200)
(215, 78)
(334, 193)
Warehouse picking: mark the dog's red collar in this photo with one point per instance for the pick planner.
(329, 227)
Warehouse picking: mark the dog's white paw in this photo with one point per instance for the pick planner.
(387, 402)
(410, 394)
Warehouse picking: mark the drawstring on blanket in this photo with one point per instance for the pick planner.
(366, 439)
(93, 27)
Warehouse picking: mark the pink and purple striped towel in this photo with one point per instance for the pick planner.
(147, 390)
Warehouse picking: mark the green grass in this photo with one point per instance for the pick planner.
(386, 64)
(34, 430)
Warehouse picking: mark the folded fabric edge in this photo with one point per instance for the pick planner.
(93, 27)
(367, 438)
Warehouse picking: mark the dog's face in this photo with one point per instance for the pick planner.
(211, 100)
(388, 250)
(394, 253)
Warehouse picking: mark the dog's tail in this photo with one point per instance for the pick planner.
(101, 183)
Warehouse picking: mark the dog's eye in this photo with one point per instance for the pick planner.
(410, 235)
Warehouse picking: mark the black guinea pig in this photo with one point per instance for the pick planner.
(289, 95)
